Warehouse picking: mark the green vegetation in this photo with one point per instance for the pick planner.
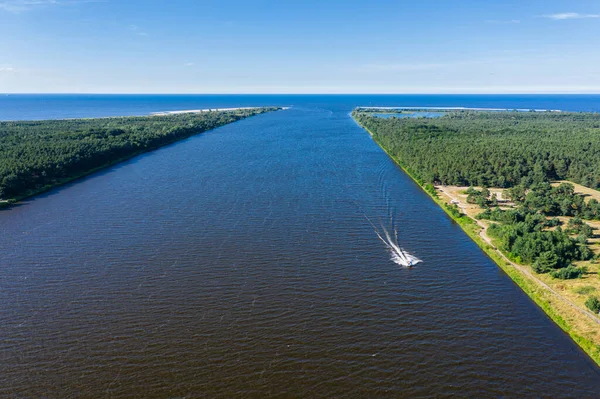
(588, 289)
(555, 201)
(37, 155)
(521, 234)
(577, 226)
(593, 304)
(569, 272)
(421, 154)
(502, 149)
(525, 241)
(481, 198)
(494, 149)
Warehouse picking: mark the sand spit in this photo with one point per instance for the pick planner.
(197, 111)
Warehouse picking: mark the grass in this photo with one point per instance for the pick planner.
(587, 289)
(559, 311)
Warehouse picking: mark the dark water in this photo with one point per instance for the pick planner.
(239, 263)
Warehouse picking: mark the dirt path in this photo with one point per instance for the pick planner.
(523, 269)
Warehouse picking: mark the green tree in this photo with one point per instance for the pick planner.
(593, 304)
(546, 262)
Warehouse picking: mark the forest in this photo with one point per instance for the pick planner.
(521, 151)
(530, 233)
(35, 155)
(494, 149)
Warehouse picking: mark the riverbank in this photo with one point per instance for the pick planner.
(61, 182)
(580, 324)
(57, 152)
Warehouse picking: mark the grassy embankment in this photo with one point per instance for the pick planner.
(72, 149)
(564, 315)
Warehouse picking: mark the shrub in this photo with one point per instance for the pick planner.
(587, 289)
(472, 190)
(568, 273)
(454, 210)
(430, 188)
(494, 200)
(481, 201)
(593, 304)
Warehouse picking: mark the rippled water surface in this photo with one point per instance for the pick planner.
(242, 263)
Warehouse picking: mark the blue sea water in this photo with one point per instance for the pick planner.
(53, 106)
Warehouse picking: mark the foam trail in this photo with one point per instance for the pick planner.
(399, 255)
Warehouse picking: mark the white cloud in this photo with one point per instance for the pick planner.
(188, 64)
(6, 69)
(570, 15)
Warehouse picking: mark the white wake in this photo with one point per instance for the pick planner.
(399, 255)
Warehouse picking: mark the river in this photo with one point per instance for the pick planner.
(242, 262)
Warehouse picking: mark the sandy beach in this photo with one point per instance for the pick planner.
(197, 111)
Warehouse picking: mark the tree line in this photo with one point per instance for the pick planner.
(494, 149)
(523, 151)
(39, 154)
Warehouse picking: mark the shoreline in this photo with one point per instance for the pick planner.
(199, 111)
(8, 203)
(536, 290)
(151, 114)
(459, 109)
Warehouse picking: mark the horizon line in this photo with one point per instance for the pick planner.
(301, 94)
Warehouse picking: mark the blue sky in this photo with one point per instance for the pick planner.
(305, 46)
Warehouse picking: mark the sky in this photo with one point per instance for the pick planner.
(303, 46)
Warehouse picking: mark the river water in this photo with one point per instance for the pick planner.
(243, 263)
